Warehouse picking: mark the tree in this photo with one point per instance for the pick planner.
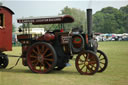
(124, 9)
(13, 28)
(124, 12)
(108, 20)
(1, 3)
(98, 22)
(78, 15)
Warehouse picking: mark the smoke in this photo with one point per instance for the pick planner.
(90, 4)
(1, 3)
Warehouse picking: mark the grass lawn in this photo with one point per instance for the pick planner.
(115, 74)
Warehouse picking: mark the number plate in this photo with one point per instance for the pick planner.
(65, 39)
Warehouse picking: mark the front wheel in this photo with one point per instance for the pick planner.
(87, 63)
(103, 60)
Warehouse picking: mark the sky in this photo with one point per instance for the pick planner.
(26, 8)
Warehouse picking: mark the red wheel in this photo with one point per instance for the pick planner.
(87, 63)
(103, 60)
(41, 57)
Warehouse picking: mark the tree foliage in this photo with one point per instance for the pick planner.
(78, 15)
(111, 20)
(124, 11)
(107, 20)
(13, 28)
(1, 3)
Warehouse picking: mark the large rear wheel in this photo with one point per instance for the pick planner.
(87, 63)
(41, 57)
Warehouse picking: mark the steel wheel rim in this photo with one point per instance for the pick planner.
(102, 60)
(87, 63)
(41, 58)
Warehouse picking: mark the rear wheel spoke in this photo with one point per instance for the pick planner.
(49, 55)
(38, 50)
(34, 61)
(33, 56)
(48, 59)
(40, 66)
(34, 51)
(48, 64)
(45, 51)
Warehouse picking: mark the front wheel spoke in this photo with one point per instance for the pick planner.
(100, 67)
(81, 60)
(93, 66)
(102, 63)
(90, 69)
(99, 55)
(91, 57)
(102, 59)
(92, 62)
(81, 63)
(84, 56)
(87, 57)
(86, 70)
(83, 67)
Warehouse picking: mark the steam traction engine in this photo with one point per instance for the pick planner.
(53, 50)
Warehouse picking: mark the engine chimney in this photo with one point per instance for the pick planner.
(89, 23)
